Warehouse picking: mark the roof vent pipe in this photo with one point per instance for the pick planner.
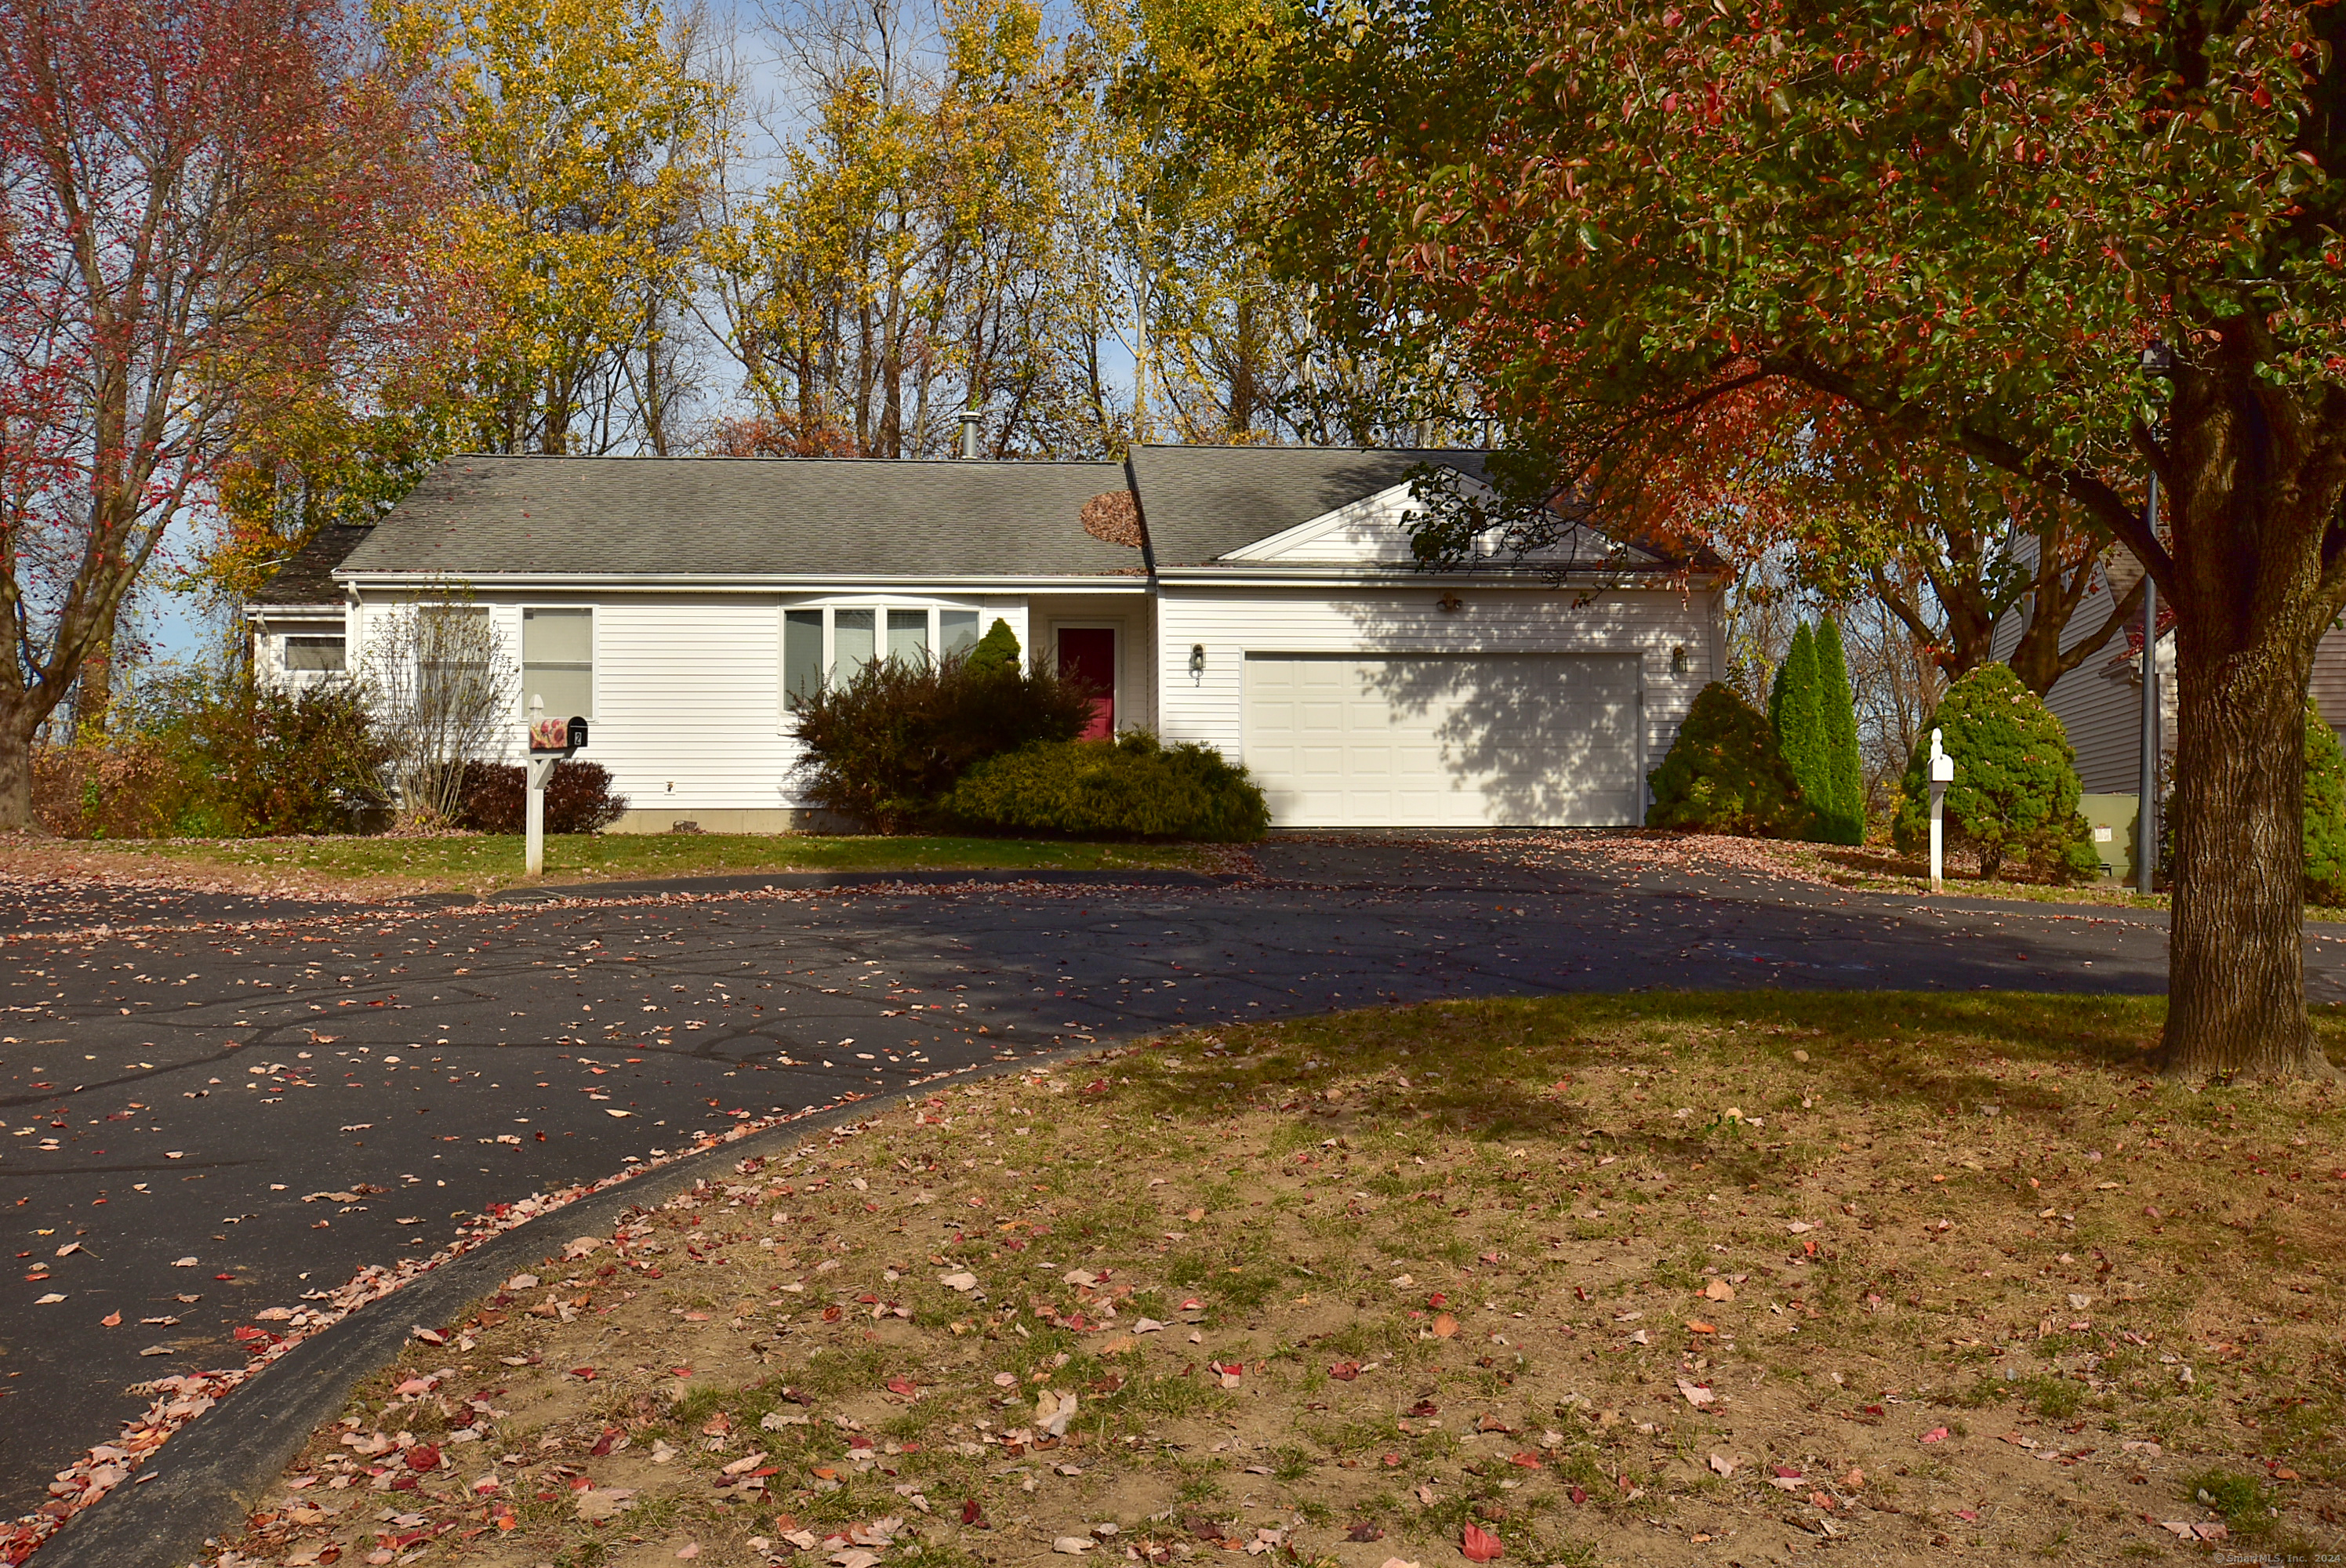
(972, 422)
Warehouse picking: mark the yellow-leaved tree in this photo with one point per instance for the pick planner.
(591, 133)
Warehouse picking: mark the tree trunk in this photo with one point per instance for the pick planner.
(2256, 475)
(94, 691)
(2236, 953)
(16, 766)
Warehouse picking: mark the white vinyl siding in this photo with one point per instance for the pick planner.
(1230, 622)
(1445, 740)
(558, 661)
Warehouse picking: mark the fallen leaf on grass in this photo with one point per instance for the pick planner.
(1444, 1326)
(964, 1281)
(1722, 1465)
(1074, 1545)
(1936, 1434)
(1344, 1371)
(1479, 1544)
(1719, 1290)
(1364, 1530)
(1695, 1393)
(597, 1503)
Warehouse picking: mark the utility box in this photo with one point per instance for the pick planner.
(2110, 819)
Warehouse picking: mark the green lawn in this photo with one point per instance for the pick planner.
(1598, 1279)
(479, 864)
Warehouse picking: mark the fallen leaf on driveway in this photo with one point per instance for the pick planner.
(51, 1299)
(112, 1320)
(183, 1263)
(608, 1112)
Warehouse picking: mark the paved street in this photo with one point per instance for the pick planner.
(186, 1084)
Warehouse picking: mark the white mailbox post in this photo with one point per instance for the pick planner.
(1942, 773)
(550, 740)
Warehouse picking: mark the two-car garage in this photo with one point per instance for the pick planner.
(1446, 741)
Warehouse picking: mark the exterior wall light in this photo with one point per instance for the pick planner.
(1197, 660)
(1679, 661)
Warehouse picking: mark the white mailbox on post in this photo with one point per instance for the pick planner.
(1942, 773)
(550, 740)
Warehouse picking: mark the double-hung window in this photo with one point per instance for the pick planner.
(558, 661)
(829, 647)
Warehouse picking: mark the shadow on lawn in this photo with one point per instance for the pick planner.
(1522, 1067)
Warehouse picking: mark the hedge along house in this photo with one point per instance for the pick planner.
(1262, 600)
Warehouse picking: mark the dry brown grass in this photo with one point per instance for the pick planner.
(1981, 1288)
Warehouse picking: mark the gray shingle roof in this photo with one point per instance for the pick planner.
(839, 517)
(307, 577)
(1200, 503)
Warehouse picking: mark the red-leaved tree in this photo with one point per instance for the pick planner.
(209, 205)
(1966, 220)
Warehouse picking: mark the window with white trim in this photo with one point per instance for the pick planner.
(558, 661)
(316, 655)
(829, 647)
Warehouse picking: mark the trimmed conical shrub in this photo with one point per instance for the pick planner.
(1794, 713)
(2016, 792)
(1841, 812)
(1723, 776)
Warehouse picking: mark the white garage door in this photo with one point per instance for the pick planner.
(1448, 741)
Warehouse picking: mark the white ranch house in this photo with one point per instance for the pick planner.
(1263, 600)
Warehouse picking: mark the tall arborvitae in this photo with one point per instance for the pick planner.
(1799, 728)
(1843, 809)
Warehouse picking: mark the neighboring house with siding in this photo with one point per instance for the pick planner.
(2099, 704)
(1263, 600)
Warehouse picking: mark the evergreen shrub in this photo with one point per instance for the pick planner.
(1842, 817)
(2016, 792)
(1724, 775)
(1130, 787)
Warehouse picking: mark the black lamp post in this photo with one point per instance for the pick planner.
(2157, 362)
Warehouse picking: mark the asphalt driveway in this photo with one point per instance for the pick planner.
(209, 1106)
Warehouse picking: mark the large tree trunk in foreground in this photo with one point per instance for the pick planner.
(2236, 951)
(2256, 578)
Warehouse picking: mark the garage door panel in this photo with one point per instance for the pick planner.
(1444, 740)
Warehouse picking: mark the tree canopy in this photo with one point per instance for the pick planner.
(1656, 233)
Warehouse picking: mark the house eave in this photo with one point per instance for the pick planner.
(737, 583)
(1646, 579)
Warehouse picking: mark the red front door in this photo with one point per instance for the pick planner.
(1088, 657)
